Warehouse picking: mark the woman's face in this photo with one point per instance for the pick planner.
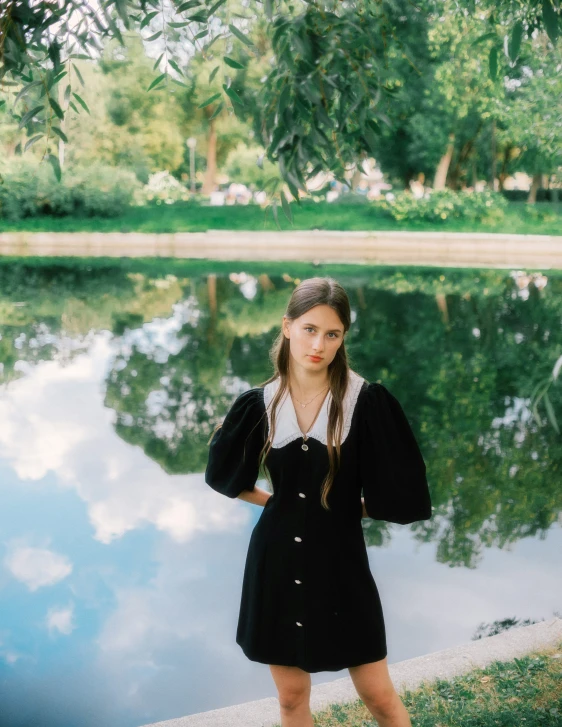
(318, 332)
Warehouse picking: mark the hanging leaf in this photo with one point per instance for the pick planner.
(187, 5)
(210, 100)
(26, 118)
(232, 63)
(213, 73)
(238, 33)
(55, 106)
(232, 95)
(55, 164)
(217, 111)
(32, 141)
(493, 63)
(275, 213)
(25, 89)
(550, 413)
(286, 207)
(176, 67)
(550, 20)
(482, 38)
(146, 20)
(154, 36)
(157, 63)
(60, 133)
(515, 40)
(81, 102)
(215, 7)
(156, 81)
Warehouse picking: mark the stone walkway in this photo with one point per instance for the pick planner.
(449, 249)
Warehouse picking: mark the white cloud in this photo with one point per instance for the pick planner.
(54, 420)
(37, 567)
(61, 620)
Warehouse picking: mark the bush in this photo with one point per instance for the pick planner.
(443, 205)
(161, 187)
(30, 189)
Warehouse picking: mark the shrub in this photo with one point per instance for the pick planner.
(30, 189)
(442, 205)
(161, 187)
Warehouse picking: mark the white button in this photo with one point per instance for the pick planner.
(298, 539)
(301, 494)
(298, 623)
(296, 581)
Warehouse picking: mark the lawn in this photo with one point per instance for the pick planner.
(542, 218)
(523, 692)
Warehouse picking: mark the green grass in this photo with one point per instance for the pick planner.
(543, 218)
(525, 692)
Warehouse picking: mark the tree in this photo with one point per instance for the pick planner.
(320, 105)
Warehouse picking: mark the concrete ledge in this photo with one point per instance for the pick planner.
(462, 249)
(407, 674)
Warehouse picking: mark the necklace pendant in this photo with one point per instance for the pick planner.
(304, 446)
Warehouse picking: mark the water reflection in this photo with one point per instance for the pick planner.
(121, 569)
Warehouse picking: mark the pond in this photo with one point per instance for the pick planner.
(120, 569)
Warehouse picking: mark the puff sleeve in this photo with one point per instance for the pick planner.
(392, 468)
(232, 464)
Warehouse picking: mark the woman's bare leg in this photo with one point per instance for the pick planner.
(375, 688)
(294, 686)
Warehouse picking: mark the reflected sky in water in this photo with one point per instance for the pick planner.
(121, 569)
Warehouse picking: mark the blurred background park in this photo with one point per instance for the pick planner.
(120, 569)
(465, 140)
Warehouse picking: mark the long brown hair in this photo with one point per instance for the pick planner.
(309, 293)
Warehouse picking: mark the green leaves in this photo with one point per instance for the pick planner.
(232, 63)
(286, 207)
(238, 33)
(210, 100)
(493, 63)
(54, 161)
(26, 118)
(550, 20)
(156, 81)
(232, 95)
(515, 40)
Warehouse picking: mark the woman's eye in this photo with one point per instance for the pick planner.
(309, 328)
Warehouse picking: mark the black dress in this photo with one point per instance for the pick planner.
(308, 597)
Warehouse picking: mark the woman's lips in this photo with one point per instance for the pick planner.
(315, 358)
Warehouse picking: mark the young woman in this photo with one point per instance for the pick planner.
(309, 601)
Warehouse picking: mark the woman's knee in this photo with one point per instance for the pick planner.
(374, 686)
(293, 686)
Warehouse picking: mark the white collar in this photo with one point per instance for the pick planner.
(287, 428)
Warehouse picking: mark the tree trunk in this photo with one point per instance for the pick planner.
(535, 184)
(493, 153)
(444, 163)
(211, 172)
(457, 172)
(502, 176)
